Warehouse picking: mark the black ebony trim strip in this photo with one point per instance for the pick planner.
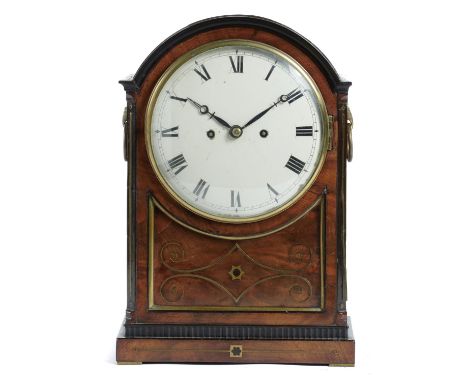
(131, 205)
(224, 332)
(341, 293)
(336, 83)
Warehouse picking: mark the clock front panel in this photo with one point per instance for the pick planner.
(283, 271)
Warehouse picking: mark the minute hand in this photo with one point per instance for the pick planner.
(260, 115)
(281, 99)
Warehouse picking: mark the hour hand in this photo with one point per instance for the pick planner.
(220, 120)
(204, 110)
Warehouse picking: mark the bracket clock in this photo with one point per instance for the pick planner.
(237, 133)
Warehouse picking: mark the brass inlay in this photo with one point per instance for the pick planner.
(341, 365)
(172, 349)
(236, 272)
(126, 132)
(250, 44)
(129, 363)
(349, 134)
(276, 351)
(323, 252)
(229, 351)
(153, 204)
(330, 132)
(176, 252)
(154, 201)
(236, 299)
(219, 260)
(297, 293)
(235, 351)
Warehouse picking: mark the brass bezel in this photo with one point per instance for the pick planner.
(251, 44)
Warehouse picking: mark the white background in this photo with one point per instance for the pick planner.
(63, 183)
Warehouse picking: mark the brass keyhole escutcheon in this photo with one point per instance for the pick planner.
(236, 272)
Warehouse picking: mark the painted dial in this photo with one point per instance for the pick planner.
(236, 131)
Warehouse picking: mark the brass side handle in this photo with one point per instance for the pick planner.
(349, 135)
(125, 126)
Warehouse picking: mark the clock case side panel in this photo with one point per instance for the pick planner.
(133, 87)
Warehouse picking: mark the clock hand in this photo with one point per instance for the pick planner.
(283, 98)
(203, 109)
(220, 120)
(286, 97)
(260, 115)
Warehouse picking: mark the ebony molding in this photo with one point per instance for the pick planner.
(134, 83)
(235, 332)
(131, 205)
(341, 287)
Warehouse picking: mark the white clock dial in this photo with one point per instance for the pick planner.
(236, 131)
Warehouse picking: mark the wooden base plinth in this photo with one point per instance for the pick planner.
(314, 352)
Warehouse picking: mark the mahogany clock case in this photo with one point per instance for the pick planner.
(269, 291)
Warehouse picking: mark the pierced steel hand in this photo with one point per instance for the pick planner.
(281, 99)
(203, 109)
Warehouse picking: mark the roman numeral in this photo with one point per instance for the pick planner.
(179, 99)
(304, 131)
(295, 96)
(295, 165)
(205, 75)
(269, 73)
(235, 200)
(239, 67)
(171, 132)
(201, 188)
(178, 163)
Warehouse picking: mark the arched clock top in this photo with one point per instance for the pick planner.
(337, 84)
